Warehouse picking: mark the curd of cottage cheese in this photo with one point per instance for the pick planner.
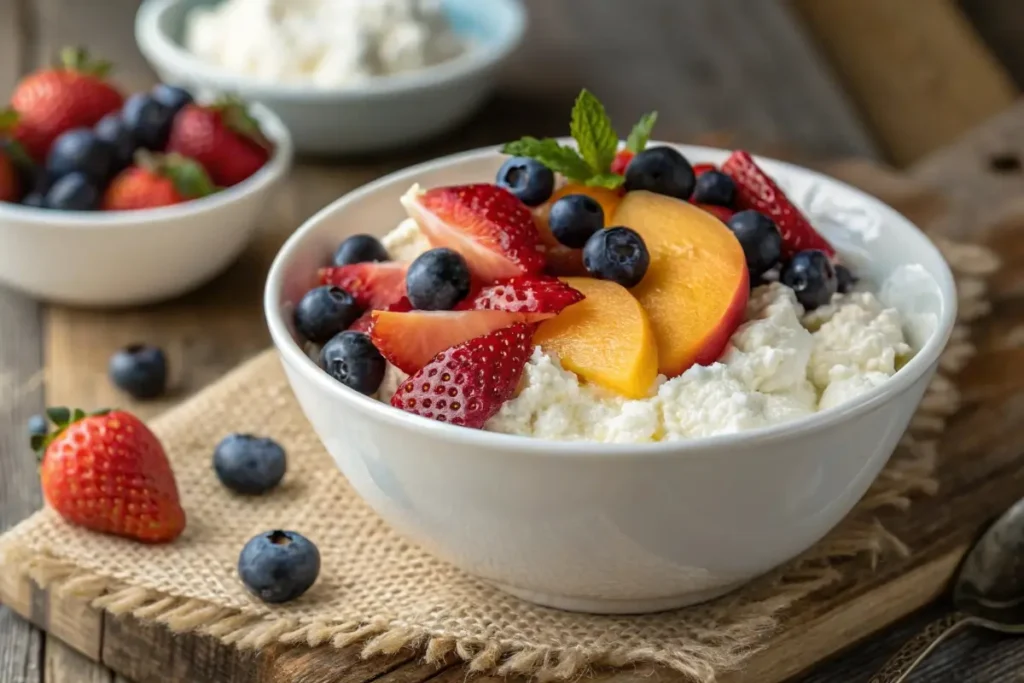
(781, 364)
(327, 43)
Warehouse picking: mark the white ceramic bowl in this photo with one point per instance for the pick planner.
(620, 528)
(382, 114)
(126, 258)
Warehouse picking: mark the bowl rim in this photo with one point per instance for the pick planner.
(292, 354)
(275, 168)
(165, 52)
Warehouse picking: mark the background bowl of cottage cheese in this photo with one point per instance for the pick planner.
(622, 527)
(346, 76)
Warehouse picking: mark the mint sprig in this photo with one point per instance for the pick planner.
(597, 142)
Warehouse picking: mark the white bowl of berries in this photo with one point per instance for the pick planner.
(113, 201)
(604, 379)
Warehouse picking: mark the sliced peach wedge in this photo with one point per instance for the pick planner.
(696, 288)
(605, 339)
(561, 259)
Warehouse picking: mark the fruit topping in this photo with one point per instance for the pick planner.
(845, 279)
(695, 291)
(139, 370)
(352, 359)
(324, 312)
(700, 169)
(467, 384)
(617, 254)
(493, 230)
(437, 280)
(525, 294)
(279, 566)
(574, 218)
(714, 187)
(364, 323)
(528, 179)
(812, 278)
(148, 120)
(360, 249)
(248, 464)
(172, 97)
(563, 260)
(720, 212)
(756, 190)
(10, 185)
(112, 130)
(621, 161)
(73, 192)
(81, 151)
(760, 239)
(662, 170)
(107, 472)
(606, 338)
(156, 181)
(374, 286)
(222, 137)
(38, 426)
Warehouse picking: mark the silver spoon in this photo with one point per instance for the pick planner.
(988, 591)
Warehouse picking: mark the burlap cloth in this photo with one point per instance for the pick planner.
(379, 592)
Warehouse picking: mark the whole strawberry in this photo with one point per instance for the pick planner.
(107, 472)
(223, 137)
(54, 100)
(156, 181)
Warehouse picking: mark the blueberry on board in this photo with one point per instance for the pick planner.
(437, 280)
(360, 249)
(352, 359)
(73, 192)
(617, 254)
(139, 370)
(812, 277)
(112, 129)
(248, 464)
(528, 179)
(80, 150)
(662, 170)
(760, 239)
(845, 279)
(278, 566)
(148, 120)
(38, 426)
(171, 96)
(574, 218)
(714, 187)
(324, 312)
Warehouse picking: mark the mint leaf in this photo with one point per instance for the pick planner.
(564, 160)
(593, 132)
(641, 132)
(611, 181)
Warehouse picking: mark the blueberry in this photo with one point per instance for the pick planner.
(352, 359)
(139, 370)
(73, 192)
(278, 566)
(172, 97)
(360, 249)
(528, 179)
(760, 239)
(845, 279)
(147, 120)
(662, 170)
(574, 218)
(249, 464)
(34, 199)
(617, 254)
(38, 426)
(324, 312)
(112, 129)
(437, 280)
(80, 150)
(811, 276)
(714, 187)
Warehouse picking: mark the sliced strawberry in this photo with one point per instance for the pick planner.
(492, 229)
(524, 294)
(722, 213)
(621, 161)
(755, 190)
(364, 323)
(410, 340)
(702, 168)
(467, 384)
(373, 285)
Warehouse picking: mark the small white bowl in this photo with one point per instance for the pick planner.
(96, 258)
(385, 113)
(620, 528)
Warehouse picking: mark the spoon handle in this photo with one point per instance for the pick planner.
(913, 652)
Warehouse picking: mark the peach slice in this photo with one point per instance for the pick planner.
(696, 288)
(561, 259)
(605, 339)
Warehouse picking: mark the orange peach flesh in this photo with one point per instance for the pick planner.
(561, 259)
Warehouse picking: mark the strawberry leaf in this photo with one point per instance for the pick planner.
(59, 416)
(593, 132)
(641, 133)
(612, 181)
(237, 117)
(189, 177)
(77, 59)
(77, 415)
(560, 159)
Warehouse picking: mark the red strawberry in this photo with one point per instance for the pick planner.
(222, 137)
(621, 161)
(755, 190)
(373, 285)
(157, 181)
(107, 472)
(492, 229)
(410, 340)
(467, 384)
(526, 293)
(13, 159)
(55, 100)
(702, 168)
(722, 213)
(364, 323)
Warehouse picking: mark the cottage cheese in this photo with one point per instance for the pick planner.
(328, 43)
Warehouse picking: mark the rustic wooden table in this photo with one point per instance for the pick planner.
(742, 66)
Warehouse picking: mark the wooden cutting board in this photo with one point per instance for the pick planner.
(982, 454)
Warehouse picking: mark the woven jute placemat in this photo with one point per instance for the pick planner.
(380, 592)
